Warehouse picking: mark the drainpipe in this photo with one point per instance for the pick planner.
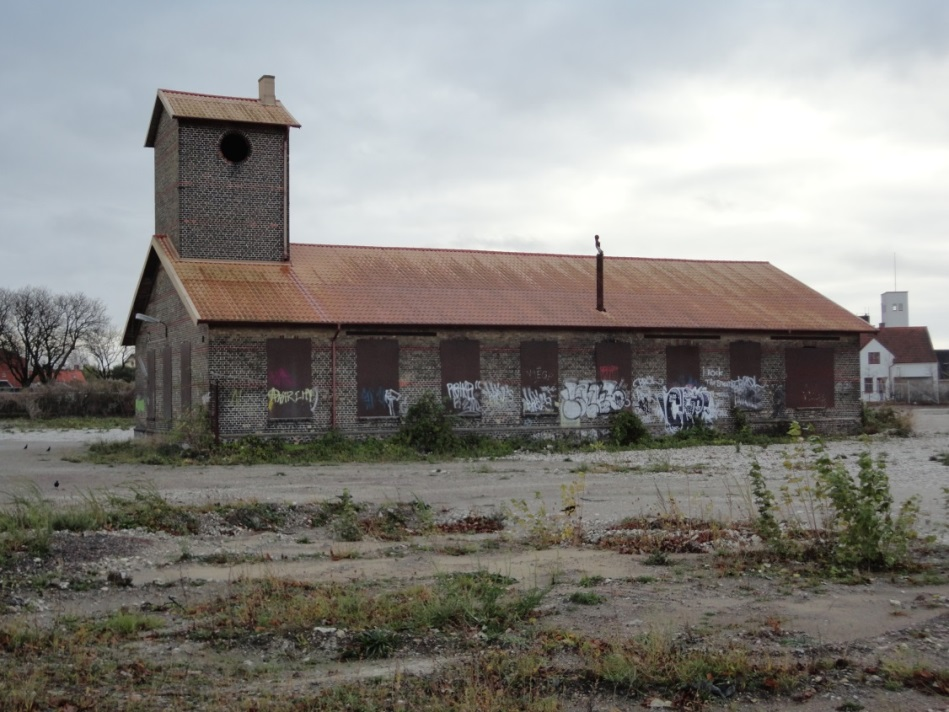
(339, 328)
(599, 275)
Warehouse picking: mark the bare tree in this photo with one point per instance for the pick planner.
(105, 349)
(40, 330)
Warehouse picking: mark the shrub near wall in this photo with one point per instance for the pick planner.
(96, 399)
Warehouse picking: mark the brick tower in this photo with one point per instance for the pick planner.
(222, 174)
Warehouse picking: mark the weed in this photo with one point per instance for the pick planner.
(851, 515)
(591, 581)
(657, 558)
(586, 598)
(627, 429)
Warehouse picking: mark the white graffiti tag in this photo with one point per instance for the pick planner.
(538, 400)
(591, 398)
(496, 394)
(686, 406)
(746, 392)
(647, 395)
(464, 397)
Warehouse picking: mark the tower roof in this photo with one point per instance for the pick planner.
(186, 105)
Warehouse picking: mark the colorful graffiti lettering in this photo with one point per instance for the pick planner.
(278, 397)
(591, 398)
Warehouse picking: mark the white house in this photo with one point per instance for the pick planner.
(898, 363)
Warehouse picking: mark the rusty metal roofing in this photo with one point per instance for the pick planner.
(185, 105)
(908, 344)
(332, 284)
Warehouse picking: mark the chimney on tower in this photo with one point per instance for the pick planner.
(265, 86)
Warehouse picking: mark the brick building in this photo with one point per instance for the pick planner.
(278, 338)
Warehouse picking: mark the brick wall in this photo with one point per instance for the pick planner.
(212, 208)
(166, 306)
(238, 360)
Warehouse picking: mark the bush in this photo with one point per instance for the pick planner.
(627, 429)
(885, 419)
(98, 399)
(428, 426)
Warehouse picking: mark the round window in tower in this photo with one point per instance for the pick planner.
(235, 147)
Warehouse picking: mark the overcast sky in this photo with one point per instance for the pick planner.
(810, 134)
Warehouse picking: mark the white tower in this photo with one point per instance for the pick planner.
(895, 308)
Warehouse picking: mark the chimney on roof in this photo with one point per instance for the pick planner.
(599, 275)
(265, 86)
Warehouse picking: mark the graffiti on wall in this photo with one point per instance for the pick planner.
(276, 398)
(746, 392)
(538, 400)
(592, 398)
(376, 398)
(675, 408)
(687, 406)
(464, 397)
(495, 394)
(470, 398)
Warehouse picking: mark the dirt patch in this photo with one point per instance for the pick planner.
(695, 601)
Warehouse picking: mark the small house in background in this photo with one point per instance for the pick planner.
(9, 382)
(898, 363)
(292, 340)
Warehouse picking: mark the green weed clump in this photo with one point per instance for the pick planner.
(428, 426)
(885, 419)
(849, 520)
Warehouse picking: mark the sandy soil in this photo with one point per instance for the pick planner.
(884, 616)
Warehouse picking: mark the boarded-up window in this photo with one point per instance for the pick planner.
(539, 377)
(290, 392)
(461, 372)
(377, 378)
(810, 377)
(185, 367)
(614, 362)
(682, 366)
(166, 383)
(150, 388)
(745, 359)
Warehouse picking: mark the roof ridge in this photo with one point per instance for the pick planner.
(209, 96)
(460, 250)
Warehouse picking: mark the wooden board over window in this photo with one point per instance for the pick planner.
(150, 389)
(290, 394)
(540, 376)
(185, 367)
(810, 377)
(377, 378)
(461, 373)
(166, 369)
(745, 359)
(682, 366)
(614, 362)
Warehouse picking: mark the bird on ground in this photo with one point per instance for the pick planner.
(26, 446)
(48, 448)
(56, 484)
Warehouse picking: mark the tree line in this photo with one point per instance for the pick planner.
(40, 332)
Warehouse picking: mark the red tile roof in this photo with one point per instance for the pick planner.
(908, 344)
(332, 284)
